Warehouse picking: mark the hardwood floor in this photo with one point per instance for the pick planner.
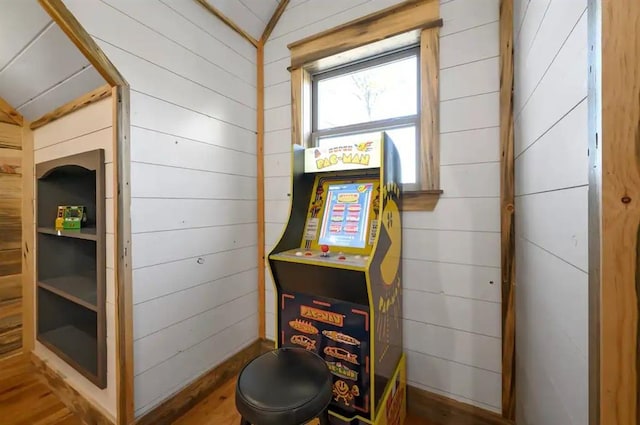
(25, 398)
(219, 409)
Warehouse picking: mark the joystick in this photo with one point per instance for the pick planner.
(325, 250)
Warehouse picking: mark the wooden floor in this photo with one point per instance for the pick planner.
(219, 409)
(25, 399)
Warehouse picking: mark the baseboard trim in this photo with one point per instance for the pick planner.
(173, 408)
(79, 405)
(440, 410)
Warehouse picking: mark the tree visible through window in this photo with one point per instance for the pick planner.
(370, 96)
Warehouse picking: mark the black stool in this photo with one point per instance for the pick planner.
(288, 386)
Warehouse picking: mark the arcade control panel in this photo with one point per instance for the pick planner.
(322, 256)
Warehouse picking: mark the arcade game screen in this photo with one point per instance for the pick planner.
(346, 215)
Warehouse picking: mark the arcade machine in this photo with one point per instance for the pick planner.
(337, 274)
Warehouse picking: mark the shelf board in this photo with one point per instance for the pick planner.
(86, 233)
(75, 346)
(78, 289)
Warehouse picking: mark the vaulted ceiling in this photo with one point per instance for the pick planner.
(251, 16)
(40, 69)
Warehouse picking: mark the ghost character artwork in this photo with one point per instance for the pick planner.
(338, 278)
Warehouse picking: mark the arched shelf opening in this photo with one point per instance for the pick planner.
(71, 261)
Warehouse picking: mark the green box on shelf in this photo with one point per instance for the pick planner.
(70, 217)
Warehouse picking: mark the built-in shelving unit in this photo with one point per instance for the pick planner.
(71, 264)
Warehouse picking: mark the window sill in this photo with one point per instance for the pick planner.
(420, 200)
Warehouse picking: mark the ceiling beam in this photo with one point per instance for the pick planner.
(8, 114)
(83, 41)
(274, 20)
(72, 106)
(228, 21)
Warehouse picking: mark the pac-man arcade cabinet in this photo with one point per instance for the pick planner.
(337, 273)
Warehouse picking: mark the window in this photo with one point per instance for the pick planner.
(376, 94)
(378, 72)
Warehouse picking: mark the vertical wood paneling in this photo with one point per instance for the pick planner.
(28, 239)
(429, 110)
(620, 232)
(507, 228)
(260, 194)
(122, 275)
(297, 116)
(10, 243)
(10, 216)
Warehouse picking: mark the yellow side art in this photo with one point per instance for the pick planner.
(393, 405)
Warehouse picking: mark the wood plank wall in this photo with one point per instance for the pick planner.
(617, 167)
(452, 319)
(193, 185)
(10, 239)
(551, 145)
(507, 233)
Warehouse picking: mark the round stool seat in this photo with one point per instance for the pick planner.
(288, 386)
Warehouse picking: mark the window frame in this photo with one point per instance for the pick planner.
(415, 22)
(375, 125)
